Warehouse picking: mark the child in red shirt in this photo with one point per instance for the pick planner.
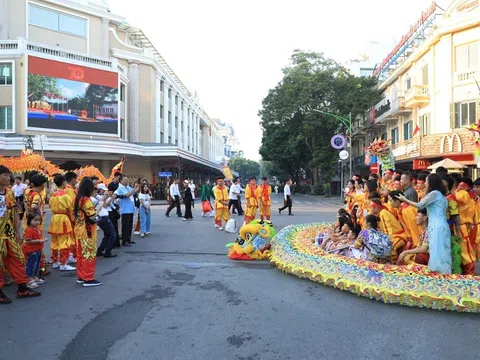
(32, 249)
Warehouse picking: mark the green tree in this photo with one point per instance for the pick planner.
(297, 138)
(245, 168)
(39, 85)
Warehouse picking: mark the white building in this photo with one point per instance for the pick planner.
(76, 50)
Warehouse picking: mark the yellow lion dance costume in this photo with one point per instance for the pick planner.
(253, 241)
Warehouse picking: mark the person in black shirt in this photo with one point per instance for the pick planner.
(113, 214)
(187, 200)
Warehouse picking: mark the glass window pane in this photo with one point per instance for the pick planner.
(472, 112)
(461, 57)
(457, 115)
(43, 17)
(473, 56)
(9, 118)
(464, 114)
(3, 122)
(73, 25)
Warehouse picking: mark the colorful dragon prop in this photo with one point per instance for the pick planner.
(253, 241)
(293, 251)
(382, 150)
(475, 129)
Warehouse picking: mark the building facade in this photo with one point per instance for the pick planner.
(231, 143)
(98, 89)
(431, 93)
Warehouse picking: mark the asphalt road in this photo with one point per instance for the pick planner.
(175, 295)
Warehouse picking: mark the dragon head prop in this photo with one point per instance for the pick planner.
(253, 241)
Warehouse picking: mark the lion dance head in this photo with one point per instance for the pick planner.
(253, 241)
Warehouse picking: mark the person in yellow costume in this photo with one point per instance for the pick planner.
(251, 197)
(220, 193)
(407, 215)
(476, 218)
(71, 190)
(390, 226)
(60, 227)
(466, 210)
(263, 196)
(33, 199)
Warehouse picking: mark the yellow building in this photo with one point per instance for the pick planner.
(98, 89)
(430, 91)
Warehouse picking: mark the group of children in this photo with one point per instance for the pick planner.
(386, 220)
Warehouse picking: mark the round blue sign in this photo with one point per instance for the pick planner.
(338, 142)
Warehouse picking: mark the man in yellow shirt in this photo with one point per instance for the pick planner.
(220, 193)
(263, 196)
(251, 198)
(407, 215)
(466, 209)
(390, 226)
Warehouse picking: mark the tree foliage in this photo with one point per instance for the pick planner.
(295, 137)
(39, 85)
(245, 168)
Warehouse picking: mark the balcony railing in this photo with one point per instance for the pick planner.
(6, 45)
(466, 76)
(417, 95)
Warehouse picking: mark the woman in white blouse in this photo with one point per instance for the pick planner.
(145, 214)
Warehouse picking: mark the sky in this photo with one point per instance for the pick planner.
(232, 52)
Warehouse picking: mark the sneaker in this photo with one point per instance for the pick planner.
(92, 283)
(216, 226)
(220, 228)
(25, 292)
(48, 262)
(67, 268)
(55, 265)
(184, 219)
(148, 233)
(280, 211)
(4, 300)
(80, 281)
(40, 281)
(32, 284)
(142, 235)
(136, 233)
(71, 260)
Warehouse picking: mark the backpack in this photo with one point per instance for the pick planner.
(231, 226)
(379, 244)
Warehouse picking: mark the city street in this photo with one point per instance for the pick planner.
(175, 295)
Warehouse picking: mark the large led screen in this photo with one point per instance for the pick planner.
(64, 96)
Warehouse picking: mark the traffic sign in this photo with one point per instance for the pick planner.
(343, 154)
(163, 174)
(338, 142)
(374, 168)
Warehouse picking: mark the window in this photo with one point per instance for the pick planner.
(162, 85)
(6, 119)
(6, 75)
(57, 21)
(161, 137)
(176, 121)
(169, 117)
(408, 130)
(122, 92)
(181, 105)
(122, 129)
(425, 121)
(384, 136)
(176, 99)
(408, 83)
(169, 139)
(170, 93)
(394, 135)
(467, 56)
(465, 113)
(181, 124)
(161, 111)
(176, 142)
(425, 75)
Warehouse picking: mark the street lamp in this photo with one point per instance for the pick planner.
(347, 122)
(28, 144)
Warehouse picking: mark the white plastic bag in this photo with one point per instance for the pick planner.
(231, 226)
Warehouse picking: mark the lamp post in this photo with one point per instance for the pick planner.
(347, 122)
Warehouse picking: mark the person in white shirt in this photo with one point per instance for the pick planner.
(102, 204)
(192, 187)
(287, 197)
(234, 197)
(18, 190)
(174, 199)
(145, 213)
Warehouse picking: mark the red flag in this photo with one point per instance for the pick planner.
(417, 129)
